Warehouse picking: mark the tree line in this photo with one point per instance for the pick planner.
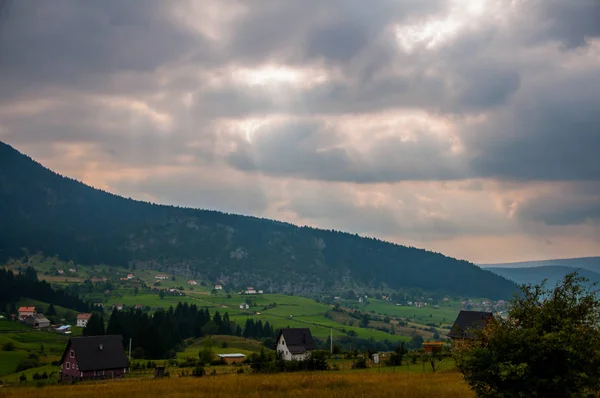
(14, 287)
(162, 334)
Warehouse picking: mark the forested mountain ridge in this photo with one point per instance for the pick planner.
(43, 211)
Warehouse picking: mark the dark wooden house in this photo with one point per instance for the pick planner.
(468, 322)
(91, 358)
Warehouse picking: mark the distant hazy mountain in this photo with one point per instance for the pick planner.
(44, 212)
(589, 263)
(535, 275)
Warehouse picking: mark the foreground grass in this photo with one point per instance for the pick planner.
(314, 385)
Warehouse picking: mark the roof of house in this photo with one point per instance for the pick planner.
(98, 352)
(468, 321)
(84, 316)
(235, 355)
(297, 340)
(26, 309)
(38, 317)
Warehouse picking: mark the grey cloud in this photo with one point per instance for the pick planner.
(561, 210)
(571, 22)
(551, 132)
(308, 150)
(71, 43)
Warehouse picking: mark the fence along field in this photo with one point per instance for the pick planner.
(313, 385)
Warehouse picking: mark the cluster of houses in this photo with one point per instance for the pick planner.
(101, 357)
(29, 316)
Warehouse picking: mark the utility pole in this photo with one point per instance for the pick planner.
(331, 341)
(130, 349)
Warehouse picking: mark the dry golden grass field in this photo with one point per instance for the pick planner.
(313, 385)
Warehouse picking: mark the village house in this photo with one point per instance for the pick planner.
(244, 306)
(60, 271)
(24, 312)
(97, 357)
(73, 270)
(192, 282)
(139, 307)
(467, 322)
(130, 276)
(218, 287)
(118, 307)
(232, 358)
(82, 319)
(295, 344)
(162, 277)
(250, 290)
(37, 321)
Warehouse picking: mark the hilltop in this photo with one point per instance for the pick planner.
(42, 211)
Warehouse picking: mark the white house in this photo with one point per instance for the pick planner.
(192, 282)
(82, 319)
(244, 306)
(295, 344)
(218, 287)
(162, 276)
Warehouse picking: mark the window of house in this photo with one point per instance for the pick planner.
(77, 367)
(101, 373)
(68, 365)
(72, 353)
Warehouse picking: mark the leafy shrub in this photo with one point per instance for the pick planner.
(359, 363)
(199, 371)
(10, 346)
(27, 364)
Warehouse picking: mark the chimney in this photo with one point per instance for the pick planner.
(100, 347)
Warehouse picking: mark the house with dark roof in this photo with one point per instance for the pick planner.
(94, 357)
(467, 322)
(295, 344)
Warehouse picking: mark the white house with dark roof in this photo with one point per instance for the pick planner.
(295, 344)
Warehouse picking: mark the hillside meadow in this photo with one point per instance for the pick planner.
(314, 385)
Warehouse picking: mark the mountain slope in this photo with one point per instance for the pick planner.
(535, 275)
(589, 263)
(43, 211)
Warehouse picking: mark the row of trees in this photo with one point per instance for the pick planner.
(162, 334)
(26, 285)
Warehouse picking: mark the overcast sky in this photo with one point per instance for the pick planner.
(468, 127)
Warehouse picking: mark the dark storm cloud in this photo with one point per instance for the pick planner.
(559, 209)
(573, 23)
(70, 43)
(551, 132)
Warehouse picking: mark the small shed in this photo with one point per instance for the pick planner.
(433, 346)
(232, 358)
(159, 372)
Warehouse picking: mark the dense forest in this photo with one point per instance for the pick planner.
(161, 334)
(26, 285)
(45, 212)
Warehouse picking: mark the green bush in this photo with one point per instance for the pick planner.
(10, 346)
(27, 364)
(199, 371)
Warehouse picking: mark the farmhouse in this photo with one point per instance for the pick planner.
(232, 358)
(130, 276)
(192, 282)
(467, 322)
(244, 306)
(162, 276)
(96, 357)
(218, 287)
(38, 321)
(295, 344)
(82, 319)
(24, 312)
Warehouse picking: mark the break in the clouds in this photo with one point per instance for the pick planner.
(469, 127)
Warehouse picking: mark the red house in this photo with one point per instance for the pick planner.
(92, 358)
